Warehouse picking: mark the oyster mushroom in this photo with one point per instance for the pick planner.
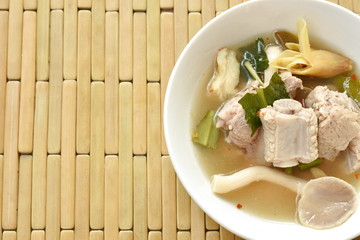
(226, 76)
(325, 202)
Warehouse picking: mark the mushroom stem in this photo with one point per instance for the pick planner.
(228, 183)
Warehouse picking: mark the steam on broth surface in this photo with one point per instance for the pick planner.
(262, 199)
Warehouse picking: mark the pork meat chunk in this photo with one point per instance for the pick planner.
(290, 133)
(338, 119)
(232, 119)
(292, 83)
(353, 155)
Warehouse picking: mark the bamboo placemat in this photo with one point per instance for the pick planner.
(82, 152)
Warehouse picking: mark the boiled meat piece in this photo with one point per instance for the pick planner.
(353, 154)
(292, 83)
(232, 119)
(338, 120)
(290, 133)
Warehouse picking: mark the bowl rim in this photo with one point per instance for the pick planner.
(186, 184)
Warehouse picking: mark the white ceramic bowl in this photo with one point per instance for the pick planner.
(338, 27)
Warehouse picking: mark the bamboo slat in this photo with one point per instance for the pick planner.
(154, 235)
(40, 156)
(168, 199)
(67, 235)
(97, 156)
(84, 4)
(24, 204)
(356, 6)
(111, 84)
(57, 4)
(195, 22)
(68, 154)
(125, 156)
(4, 5)
(225, 234)
(4, 21)
(154, 156)
(83, 83)
(166, 4)
(167, 63)
(347, 4)
(140, 208)
(27, 92)
(180, 26)
(211, 224)
(96, 235)
(30, 4)
(112, 5)
(1, 191)
(15, 39)
(197, 222)
(55, 81)
(221, 5)
(208, 11)
(82, 200)
(11, 157)
(38, 235)
(194, 5)
(126, 235)
(53, 198)
(98, 40)
(111, 225)
(153, 40)
(139, 5)
(9, 235)
(233, 3)
(183, 235)
(125, 40)
(139, 114)
(70, 39)
(212, 235)
(42, 40)
(183, 209)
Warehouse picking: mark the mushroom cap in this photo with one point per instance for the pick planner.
(326, 203)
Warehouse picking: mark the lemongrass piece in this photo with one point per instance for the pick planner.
(303, 36)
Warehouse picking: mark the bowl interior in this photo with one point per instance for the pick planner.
(328, 23)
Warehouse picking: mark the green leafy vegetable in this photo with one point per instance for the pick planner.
(256, 55)
(253, 102)
(352, 88)
(288, 170)
(206, 132)
(305, 166)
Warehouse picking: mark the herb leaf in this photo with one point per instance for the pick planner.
(352, 88)
(253, 102)
(256, 55)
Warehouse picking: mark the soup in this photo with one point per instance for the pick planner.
(262, 198)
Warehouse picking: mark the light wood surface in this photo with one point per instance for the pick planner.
(55, 81)
(4, 22)
(38, 200)
(27, 92)
(82, 147)
(11, 156)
